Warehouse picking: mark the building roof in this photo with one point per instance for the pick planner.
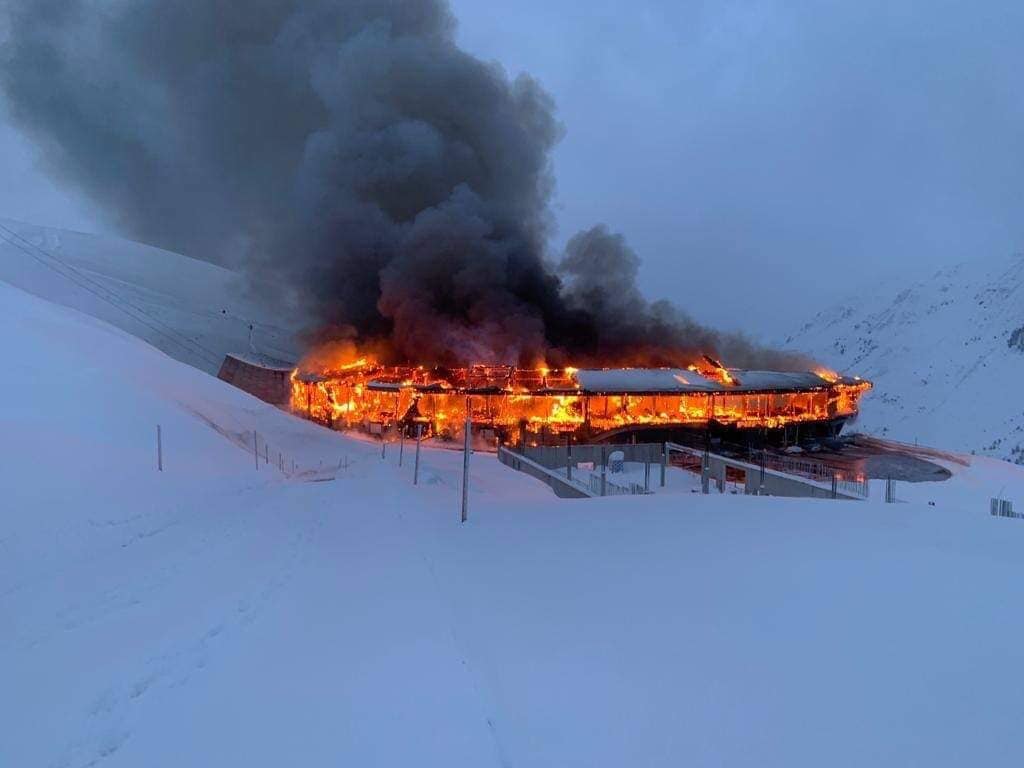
(262, 361)
(681, 381)
(598, 381)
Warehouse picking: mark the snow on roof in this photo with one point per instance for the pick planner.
(643, 380)
(683, 380)
(388, 386)
(752, 381)
(262, 361)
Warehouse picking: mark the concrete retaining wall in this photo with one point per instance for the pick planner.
(774, 483)
(554, 456)
(562, 487)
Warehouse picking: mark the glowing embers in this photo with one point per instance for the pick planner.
(509, 401)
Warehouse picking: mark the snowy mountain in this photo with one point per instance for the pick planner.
(946, 355)
(192, 310)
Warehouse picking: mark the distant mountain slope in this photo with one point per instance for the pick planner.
(190, 309)
(946, 355)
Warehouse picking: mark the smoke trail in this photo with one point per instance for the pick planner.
(349, 153)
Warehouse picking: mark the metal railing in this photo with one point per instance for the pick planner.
(1003, 508)
(580, 466)
(612, 488)
(819, 471)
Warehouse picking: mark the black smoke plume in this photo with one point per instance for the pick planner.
(348, 152)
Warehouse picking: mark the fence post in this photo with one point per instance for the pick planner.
(465, 464)
(664, 462)
(835, 485)
(416, 466)
(256, 448)
(401, 445)
(266, 453)
(383, 443)
(568, 457)
(159, 450)
(604, 469)
(647, 473)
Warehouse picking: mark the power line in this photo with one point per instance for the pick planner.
(72, 274)
(102, 293)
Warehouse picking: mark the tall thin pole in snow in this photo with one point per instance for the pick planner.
(159, 450)
(416, 466)
(465, 465)
(401, 445)
(256, 449)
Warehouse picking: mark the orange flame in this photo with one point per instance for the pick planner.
(343, 388)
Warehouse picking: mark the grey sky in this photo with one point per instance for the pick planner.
(783, 147)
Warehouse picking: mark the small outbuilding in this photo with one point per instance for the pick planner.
(261, 376)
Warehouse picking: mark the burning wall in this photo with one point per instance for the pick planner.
(509, 401)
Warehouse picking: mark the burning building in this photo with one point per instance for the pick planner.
(509, 404)
(416, 219)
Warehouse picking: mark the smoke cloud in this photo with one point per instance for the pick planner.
(349, 153)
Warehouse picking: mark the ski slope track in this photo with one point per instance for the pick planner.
(218, 614)
(194, 311)
(946, 355)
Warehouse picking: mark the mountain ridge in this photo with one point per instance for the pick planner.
(946, 355)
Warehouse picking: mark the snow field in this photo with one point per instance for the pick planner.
(216, 615)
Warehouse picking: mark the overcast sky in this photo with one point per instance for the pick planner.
(787, 147)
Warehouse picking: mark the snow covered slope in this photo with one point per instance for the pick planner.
(946, 355)
(218, 614)
(194, 311)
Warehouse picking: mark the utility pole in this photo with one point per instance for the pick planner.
(465, 463)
